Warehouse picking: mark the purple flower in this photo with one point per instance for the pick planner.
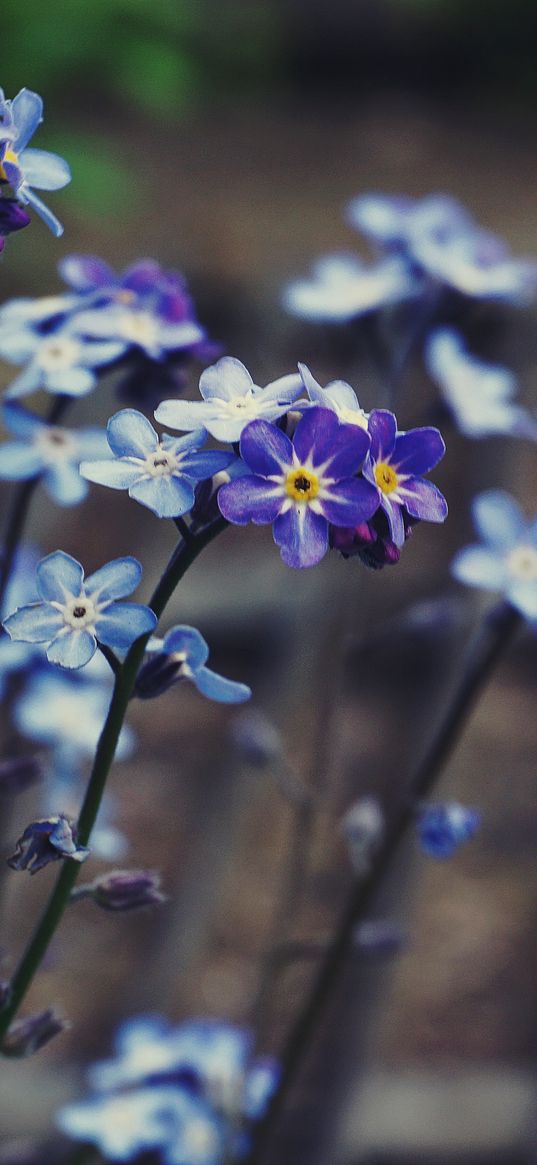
(303, 486)
(47, 840)
(443, 828)
(395, 463)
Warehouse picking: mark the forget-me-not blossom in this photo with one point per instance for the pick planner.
(479, 395)
(58, 362)
(230, 401)
(25, 168)
(506, 559)
(302, 486)
(338, 396)
(395, 464)
(182, 655)
(160, 472)
(74, 615)
(49, 452)
(342, 287)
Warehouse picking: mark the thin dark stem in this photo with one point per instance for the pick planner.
(483, 652)
(184, 529)
(179, 563)
(110, 657)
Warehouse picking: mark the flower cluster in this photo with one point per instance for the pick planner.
(188, 1092)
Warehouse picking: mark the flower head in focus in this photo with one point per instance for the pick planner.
(230, 401)
(303, 486)
(49, 452)
(395, 464)
(160, 472)
(182, 655)
(24, 168)
(506, 559)
(75, 614)
(338, 396)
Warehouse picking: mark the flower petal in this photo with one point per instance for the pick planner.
(226, 379)
(123, 623)
(394, 514)
(27, 110)
(479, 567)
(115, 474)
(44, 170)
(64, 484)
(72, 649)
(418, 451)
(302, 536)
(116, 579)
(183, 638)
(522, 594)
(130, 434)
(216, 687)
(351, 502)
(19, 461)
(183, 414)
(42, 210)
(265, 449)
(59, 577)
(382, 428)
(167, 497)
(86, 272)
(250, 499)
(36, 623)
(200, 466)
(498, 518)
(423, 500)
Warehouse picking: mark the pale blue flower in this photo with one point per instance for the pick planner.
(342, 287)
(230, 401)
(58, 362)
(25, 168)
(338, 396)
(160, 472)
(75, 615)
(182, 655)
(506, 559)
(49, 452)
(480, 396)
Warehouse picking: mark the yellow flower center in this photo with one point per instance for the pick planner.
(301, 485)
(9, 156)
(385, 477)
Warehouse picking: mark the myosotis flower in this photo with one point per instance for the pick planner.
(25, 168)
(182, 655)
(75, 614)
(49, 452)
(506, 559)
(395, 464)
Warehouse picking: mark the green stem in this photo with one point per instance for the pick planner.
(495, 632)
(179, 563)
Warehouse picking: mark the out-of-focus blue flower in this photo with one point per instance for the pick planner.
(479, 395)
(440, 238)
(74, 615)
(164, 1118)
(342, 288)
(12, 218)
(159, 472)
(506, 559)
(67, 715)
(143, 285)
(338, 396)
(25, 168)
(395, 464)
(443, 828)
(48, 451)
(47, 840)
(59, 362)
(301, 486)
(230, 401)
(182, 655)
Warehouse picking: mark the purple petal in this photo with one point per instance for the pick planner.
(265, 449)
(353, 501)
(302, 536)
(423, 500)
(86, 272)
(418, 451)
(315, 435)
(394, 514)
(382, 429)
(142, 277)
(250, 499)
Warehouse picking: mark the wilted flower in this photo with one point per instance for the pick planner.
(30, 1034)
(47, 840)
(121, 890)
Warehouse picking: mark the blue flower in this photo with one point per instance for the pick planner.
(443, 828)
(59, 362)
(230, 401)
(67, 713)
(342, 287)
(395, 463)
(182, 655)
(74, 616)
(338, 396)
(164, 1118)
(439, 238)
(159, 472)
(50, 452)
(23, 168)
(47, 840)
(479, 395)
(506, 560)
(301, 486)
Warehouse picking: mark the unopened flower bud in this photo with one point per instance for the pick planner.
(124, 890)
(363, 828)
(28, 1035)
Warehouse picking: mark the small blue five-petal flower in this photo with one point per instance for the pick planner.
(160, 472)
(182, 655)
(506, 559)
(395, 464)
(24, 168)
(48, 451)
(75, 615)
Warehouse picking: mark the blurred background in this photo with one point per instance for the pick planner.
(224, 139)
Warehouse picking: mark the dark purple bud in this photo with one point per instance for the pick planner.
(12, 216)
(47, 840)
(19, 774)
(27, 1036)
(124, 890)
(158, 674)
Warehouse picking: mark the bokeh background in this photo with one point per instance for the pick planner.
(224, 139)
